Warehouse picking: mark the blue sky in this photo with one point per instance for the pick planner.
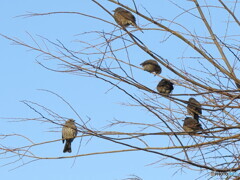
(22, 77)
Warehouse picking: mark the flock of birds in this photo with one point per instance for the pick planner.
(125, 18)
(165, 87)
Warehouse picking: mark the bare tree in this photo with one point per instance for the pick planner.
(206, 68)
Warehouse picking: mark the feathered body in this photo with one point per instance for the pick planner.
(191, 125)
(125, 18)
(194, 108)
(151, 66)
(69, 132)
(165, 86)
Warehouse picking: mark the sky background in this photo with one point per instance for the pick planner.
(21, 78)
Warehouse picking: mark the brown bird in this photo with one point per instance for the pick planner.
(151, 66)
(125, 18)
(194, 108)
(69, 132)
(165, 86)
(191, 125)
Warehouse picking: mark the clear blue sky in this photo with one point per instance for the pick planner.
(21, 77)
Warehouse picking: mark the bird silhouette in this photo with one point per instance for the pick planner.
(194, 108)
(191, 125)
(151, 66)
(69, 132)
(165, 87)
(125, 18)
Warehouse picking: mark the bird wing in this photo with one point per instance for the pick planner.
(63, 129)
(128, 15)
(75, 130)
(200, 110)
(151, 62)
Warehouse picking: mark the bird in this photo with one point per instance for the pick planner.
(125, 18)
(194, 108)
(191, 125)
(165, 86)
(151, 66)
(69, 132)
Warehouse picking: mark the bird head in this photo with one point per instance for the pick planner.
(191, 100)
(71, 120)
(118, 9)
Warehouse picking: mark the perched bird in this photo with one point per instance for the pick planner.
(125, 18)
(151, 66)
(194, 108)
(191, 125)
(165, 86)
(69, 132)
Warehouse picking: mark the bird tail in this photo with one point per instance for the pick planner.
(67, 147)
(196, 116)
